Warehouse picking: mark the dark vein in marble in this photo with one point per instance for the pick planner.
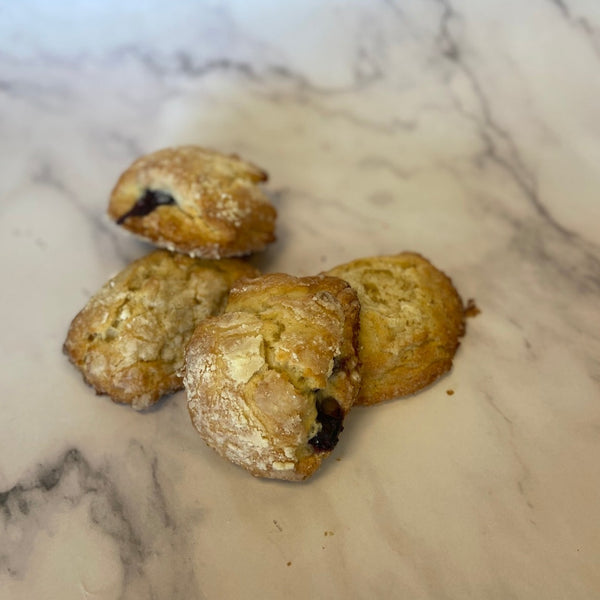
(133, 514)
(125, 248)
(184, 64)
(500, 149)
(388, 165)
(30, 498)
(128, 147)
(44, 174)
(397, 10)
(490, 132)
(187, 65)
(366, 68)
(181, 63)
(388, 127)
(525, 476)
(49, 96)
(591, 32)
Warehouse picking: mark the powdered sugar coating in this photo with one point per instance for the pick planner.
(218, 208)
(254, 373)
(129, 339)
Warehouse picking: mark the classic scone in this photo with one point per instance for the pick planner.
(196, 201)
(270, 380)
(410, 323)
(128, 341)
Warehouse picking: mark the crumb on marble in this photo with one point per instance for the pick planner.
(471, 309)
(450, 392)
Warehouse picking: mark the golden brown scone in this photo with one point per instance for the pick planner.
(270, 381)
(410, 323)
(128, 341)
(195, 201)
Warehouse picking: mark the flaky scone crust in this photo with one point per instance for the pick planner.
(254, 374)
(219, 209)
(128, 341)
(411, 321)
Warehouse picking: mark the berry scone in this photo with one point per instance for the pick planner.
(411, 321)
(196, 201)
(129, 340)
(270, 380)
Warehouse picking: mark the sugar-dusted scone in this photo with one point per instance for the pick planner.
(129, 340)
(196, 201)
(270, 380)
(410, 324)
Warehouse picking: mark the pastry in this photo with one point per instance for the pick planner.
(410, 323)
(129, 340)
(270, 380)
(196, 201)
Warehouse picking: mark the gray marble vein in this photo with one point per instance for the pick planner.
(579, 20)
(128, 511)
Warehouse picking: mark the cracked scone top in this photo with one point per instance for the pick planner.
(128, 341)
(270, 380)
(411, 321)
(196, 201)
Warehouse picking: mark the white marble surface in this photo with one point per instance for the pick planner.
(468, 131)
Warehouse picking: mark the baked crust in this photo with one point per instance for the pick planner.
(207, 204)
(128, 341)
(410, 324)
(271, 379)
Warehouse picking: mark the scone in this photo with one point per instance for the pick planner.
(195, 201)
(129, 340)
(410, 324)
(270, 380)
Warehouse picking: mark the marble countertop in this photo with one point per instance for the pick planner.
(467, 131)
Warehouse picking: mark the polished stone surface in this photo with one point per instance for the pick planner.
(467, 131)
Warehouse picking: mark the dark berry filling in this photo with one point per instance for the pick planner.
(146, 203)
(331, 417)
(340, 363)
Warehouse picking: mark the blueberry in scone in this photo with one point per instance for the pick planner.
(195, 201)
(270, 380)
